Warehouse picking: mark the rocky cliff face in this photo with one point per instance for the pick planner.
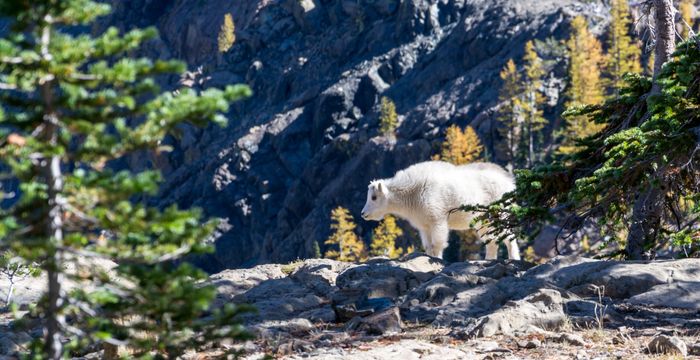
(307, 141)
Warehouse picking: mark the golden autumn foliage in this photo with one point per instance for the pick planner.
(649, 67)
(532, 103)
(227, 34)
(510, 113)
(384, 239)
(585, 58)
(349, 246)
(623, 52)
(686, 8)
(460, 147)
(469, 245)
(585, 87)
(388, 119)
(521, 115)
(530, 256)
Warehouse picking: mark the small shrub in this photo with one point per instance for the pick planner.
(388, 119)
(227, 34)
(349, 246)
(384, 239)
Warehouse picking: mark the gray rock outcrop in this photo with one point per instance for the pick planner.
(472, 299)
(319, 304)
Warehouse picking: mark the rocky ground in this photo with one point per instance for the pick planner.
(420, 308)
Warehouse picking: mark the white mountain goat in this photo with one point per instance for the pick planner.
(426, 193)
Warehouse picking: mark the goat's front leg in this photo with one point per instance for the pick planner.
(425, 241)
(439, 235)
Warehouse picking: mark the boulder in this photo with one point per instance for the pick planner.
(13, 343)
(573, 339)
(530, 344)
(694, 349)
(543, 309)
(386, 322)
(382, 278)
(664, 344)
(296, 327)
(685, 295)
(614, 279)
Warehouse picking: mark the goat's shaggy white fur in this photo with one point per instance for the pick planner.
(426, 194)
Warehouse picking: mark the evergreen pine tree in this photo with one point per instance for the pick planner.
(349, 246)
(623, 53)
(72, 104)
(532, 102)
(227, 34)
(585, 88)
(384, 239)
(510, 115)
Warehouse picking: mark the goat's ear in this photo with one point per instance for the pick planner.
(381, 188)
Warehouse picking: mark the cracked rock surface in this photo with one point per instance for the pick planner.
(389, 299)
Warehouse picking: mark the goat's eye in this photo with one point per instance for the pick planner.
(374, 198)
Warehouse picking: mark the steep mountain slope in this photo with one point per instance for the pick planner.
(307, 141)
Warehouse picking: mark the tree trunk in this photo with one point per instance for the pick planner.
(53, 265)
(51, 168)
(9, 293)
(646, 221)
(531, 138)
(648, 209)
(665, 37)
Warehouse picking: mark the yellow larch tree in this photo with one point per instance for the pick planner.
(510, 114)
(686, 8)
(388, 119)
(532, 102)
(585, 87)
(384, 239)
(623, 52)
(349, 246)
(460, 146)
(227, 34)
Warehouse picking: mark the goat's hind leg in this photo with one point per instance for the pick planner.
(513, 249)
(490, 241)
(491, 248)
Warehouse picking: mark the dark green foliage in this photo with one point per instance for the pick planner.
(71, 104)
(646, 142)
